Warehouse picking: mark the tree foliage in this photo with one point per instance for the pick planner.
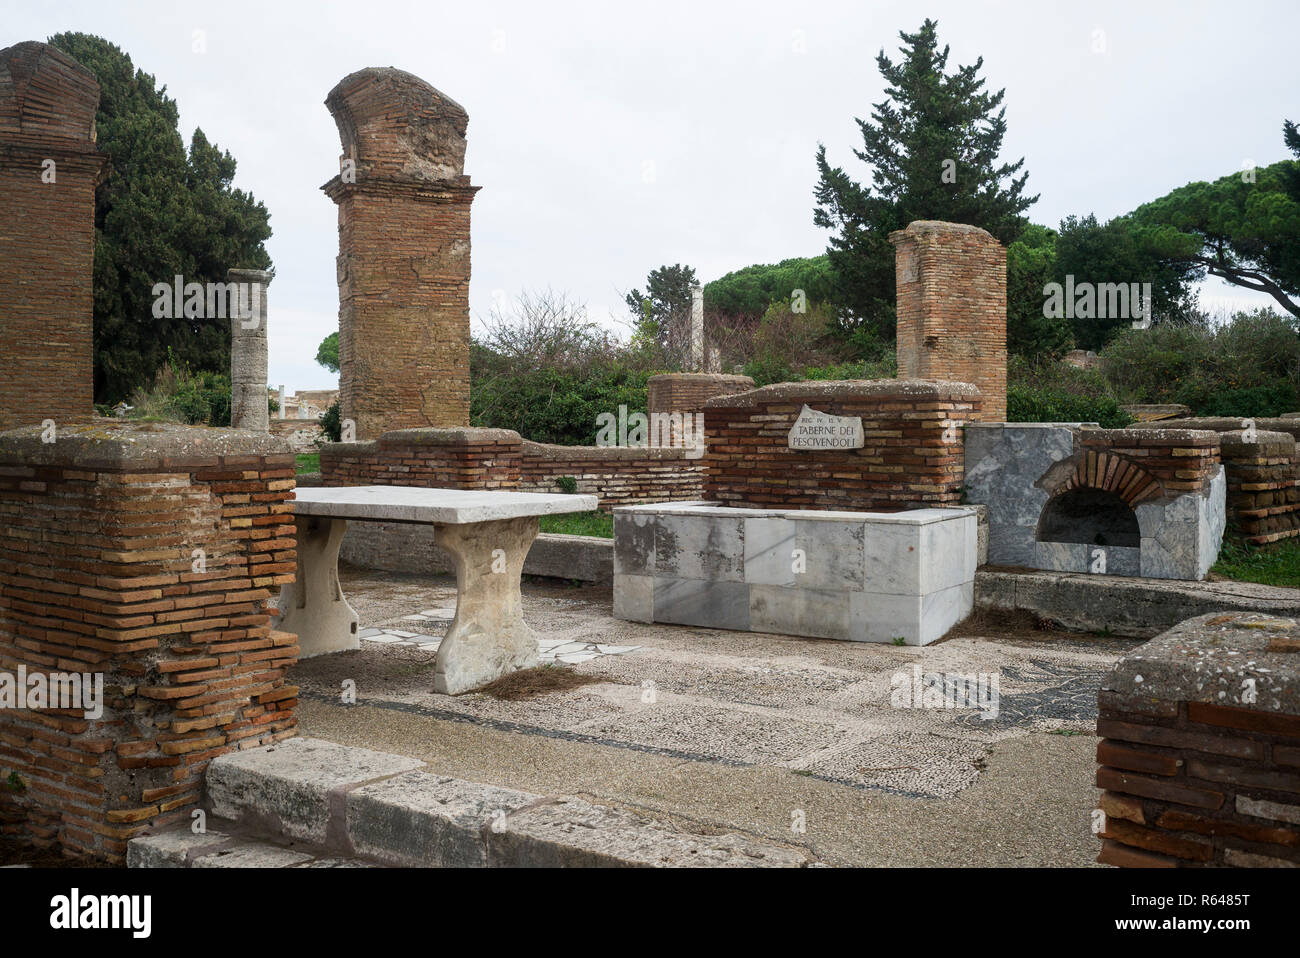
(932, 146)
(327, 354)
(161, 211)
(662, 314)
(1243, 228)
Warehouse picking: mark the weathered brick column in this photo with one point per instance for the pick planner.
(404, 253)
(49, 166)
(1200, 751)
(147, 555)
(952, 308)
(249, 408)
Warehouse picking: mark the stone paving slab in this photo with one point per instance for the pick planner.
(292, 786)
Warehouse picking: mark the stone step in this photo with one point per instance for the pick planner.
(223, 847)
(1124, 605)
(355, 803)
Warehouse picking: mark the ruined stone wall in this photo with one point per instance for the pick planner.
(404, 253)
(686, 393)
(500, 459)
(1200, 752)
(911, 457)
(99, 574)
(434, 458)
(49, 166)
(619, 476)
(952, 308)
(1263, 473)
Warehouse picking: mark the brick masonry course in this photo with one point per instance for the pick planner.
(1200, 753)
(1263, 473)
(912, 457)
(404, 253)
(951, 284)
(99, 573)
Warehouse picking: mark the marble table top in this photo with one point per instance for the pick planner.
(418, 504)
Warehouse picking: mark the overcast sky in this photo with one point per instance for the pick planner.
(611, 138)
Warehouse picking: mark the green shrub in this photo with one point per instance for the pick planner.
(1058, 392)
(567, 484)
(331, 423)
(179, 395)
(1248, 366)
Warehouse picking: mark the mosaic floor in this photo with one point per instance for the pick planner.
(549, 650)
(824, 709)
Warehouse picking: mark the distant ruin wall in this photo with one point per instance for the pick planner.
(500, 459)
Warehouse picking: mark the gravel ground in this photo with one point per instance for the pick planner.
(798, 740)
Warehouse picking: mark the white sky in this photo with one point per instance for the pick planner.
(571, 103)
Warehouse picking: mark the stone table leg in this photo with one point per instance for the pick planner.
(488, 638)
(313, 607)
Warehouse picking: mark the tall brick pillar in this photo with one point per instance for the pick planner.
(49, 166)
(952, 308)
(404, 255)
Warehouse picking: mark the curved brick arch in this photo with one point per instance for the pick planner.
(1112, 473)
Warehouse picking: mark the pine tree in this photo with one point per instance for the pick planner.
(933, 147)
(159, 212)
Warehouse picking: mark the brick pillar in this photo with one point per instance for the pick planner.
(404, 253)
(49, 166)
(1199, 759)
(249, 408)
(952, 308)
(146, 555)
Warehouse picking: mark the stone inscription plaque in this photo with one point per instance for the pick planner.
(819, 430)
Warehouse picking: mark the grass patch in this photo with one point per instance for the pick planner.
(308, 462)
(1277, 563)
(533, 683)
(599, 524)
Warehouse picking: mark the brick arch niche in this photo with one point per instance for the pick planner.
(1070, 497)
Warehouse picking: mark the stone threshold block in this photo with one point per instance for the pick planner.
(364, 806)
(486, 533)
(861, 576)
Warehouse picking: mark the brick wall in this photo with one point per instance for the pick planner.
(1263, 474)
(98, 574)
(47, 235)
(1200, 752)
(436, 458)
(618, 475)
(404, 253)
(500, 459)
(688, 392)
(952, 308)
(1142, 464)
(911, 459)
